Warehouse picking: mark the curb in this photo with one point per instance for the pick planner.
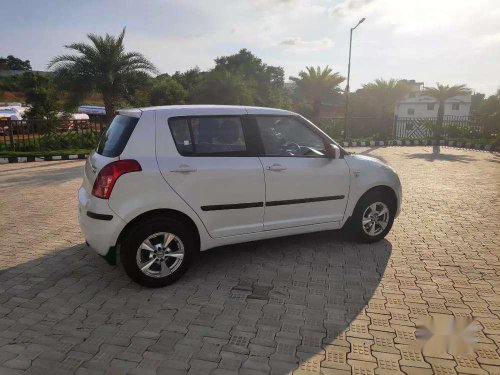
(26, 159)
(418, 142)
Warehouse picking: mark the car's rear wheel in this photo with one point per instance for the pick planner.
(157, 252)
(373, 216)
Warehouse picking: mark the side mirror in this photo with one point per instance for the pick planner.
(332, 151)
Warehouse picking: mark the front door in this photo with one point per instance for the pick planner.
(209, 163)
(303, 186)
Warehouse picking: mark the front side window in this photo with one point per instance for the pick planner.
(287, 136)
(455, 106)
(411, 111)
(205, 136)
(430, 106)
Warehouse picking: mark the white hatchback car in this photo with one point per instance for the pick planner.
(167, 182)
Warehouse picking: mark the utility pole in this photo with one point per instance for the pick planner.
(347, 88)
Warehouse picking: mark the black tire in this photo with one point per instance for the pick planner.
(144, 229)
(356, 221)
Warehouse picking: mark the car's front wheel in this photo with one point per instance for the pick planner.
(373, 216)
(157, 252)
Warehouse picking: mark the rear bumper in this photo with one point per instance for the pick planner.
(99, 224)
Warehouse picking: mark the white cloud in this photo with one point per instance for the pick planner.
(348, 6)
(423, 17)
(298, 43)
(450, 41)
(489, 40)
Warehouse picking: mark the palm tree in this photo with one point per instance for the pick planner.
(383, 95)
(386, 93)
(315, 85)
(442, 93)
(101, 66)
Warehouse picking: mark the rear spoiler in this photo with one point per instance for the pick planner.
(130, 112)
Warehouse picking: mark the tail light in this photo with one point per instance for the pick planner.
(107, 177)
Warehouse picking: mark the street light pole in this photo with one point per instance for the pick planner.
(347, 88)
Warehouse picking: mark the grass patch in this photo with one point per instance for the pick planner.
(78, 151)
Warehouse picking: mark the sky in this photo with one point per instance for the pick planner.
(445, 41)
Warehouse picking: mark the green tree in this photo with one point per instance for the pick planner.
(14, 63)
(138, 89)
(267, 81)
(167, 91)
(41, 96)
(489, 115)
(377, 100)
(442, 93)
(316, 85)
(220, 86)
(102, 66)
(189, 79)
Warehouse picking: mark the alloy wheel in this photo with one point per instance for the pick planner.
(375, 218)
(160, 254)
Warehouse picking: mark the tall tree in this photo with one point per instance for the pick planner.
(13, 63)
(315, 85)
(41, 96)
(189, 79)
(442, 93)
(221, 86)
(380, 97)
(267, 80)
(167, 91)
(102, 66)
(489, 115)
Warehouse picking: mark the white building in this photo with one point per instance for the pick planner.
(420, 106)
(415, 111)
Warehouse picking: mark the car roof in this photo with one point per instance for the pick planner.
(204, 109)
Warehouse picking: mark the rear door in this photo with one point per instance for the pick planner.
(303, 186)
(111, 145)
(210, 161)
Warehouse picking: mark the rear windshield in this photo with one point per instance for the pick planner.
(116, 136)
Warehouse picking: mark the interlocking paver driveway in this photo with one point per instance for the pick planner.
(310, 304)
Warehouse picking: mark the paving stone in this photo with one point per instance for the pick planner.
(15, 363)
(336, 358)
(468, 365)
(387, 363)
(360, 350)
(280, 367)
(412, 357)
(311, 342)
(442, 366)
(309, 365)
(200, 367)
(320, 292)
(362, 367)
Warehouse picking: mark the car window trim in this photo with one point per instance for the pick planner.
(247, 136)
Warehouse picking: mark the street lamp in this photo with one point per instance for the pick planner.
(348, 77)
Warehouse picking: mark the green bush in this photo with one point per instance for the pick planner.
(55, 141)
(334, 128)
(60, 141)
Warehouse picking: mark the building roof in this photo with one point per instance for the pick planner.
(424, 99)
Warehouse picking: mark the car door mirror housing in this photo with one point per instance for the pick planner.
(332, 151)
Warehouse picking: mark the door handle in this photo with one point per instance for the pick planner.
(183, 168)
(276, 167)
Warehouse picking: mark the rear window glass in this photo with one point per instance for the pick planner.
(208, 136)
(116, 136)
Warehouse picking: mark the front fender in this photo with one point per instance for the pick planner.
(367, 173)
